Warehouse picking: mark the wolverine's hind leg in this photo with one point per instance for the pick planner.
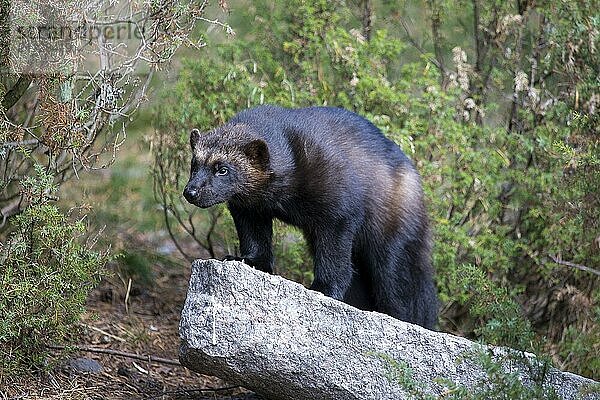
(359, 293)
(403, 288)
(392, 285)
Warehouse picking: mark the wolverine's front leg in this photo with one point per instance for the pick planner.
(332, 252)
(255, 232)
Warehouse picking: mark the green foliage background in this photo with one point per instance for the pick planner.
(504, 131)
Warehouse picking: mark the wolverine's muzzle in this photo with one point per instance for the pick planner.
(200, 197)
(190, 193)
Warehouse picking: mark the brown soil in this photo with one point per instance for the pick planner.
(148, 326)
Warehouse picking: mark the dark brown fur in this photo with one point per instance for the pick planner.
(354, 194)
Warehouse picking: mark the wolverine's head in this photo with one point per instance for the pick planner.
(227, 163)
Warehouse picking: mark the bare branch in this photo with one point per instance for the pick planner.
(573, 265)
(119, 353)
(417, 46)
(16, 92)
(187, 391)
(9, 210)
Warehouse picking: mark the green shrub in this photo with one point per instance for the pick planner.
(47, 270)
(499, 317)
(500, 382)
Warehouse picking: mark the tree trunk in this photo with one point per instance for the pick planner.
(367, 18)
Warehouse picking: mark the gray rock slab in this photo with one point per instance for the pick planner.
(277, 338)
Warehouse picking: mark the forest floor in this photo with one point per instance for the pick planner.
(146, 325)
(136, 307)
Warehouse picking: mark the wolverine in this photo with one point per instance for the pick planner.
(354, 194)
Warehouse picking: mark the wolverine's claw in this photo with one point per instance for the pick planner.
(233, 258)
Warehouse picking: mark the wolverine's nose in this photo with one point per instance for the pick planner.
(190, 193)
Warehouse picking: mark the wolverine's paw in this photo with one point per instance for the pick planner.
(328, 290)
(245, 260)
(235, 258)
(264, 267)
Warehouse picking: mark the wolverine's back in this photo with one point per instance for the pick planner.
(331, 155)
(331, 128)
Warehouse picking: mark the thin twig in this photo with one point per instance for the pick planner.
(185, 391)
(118, 353)
(11, 209)
(213, 223)
(110, 335)
(16, 92)
(417, 46)
(571, 264)
(22, 143)
(127, 296)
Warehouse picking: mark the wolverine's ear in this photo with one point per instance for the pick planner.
(194, 137)
(258, 153)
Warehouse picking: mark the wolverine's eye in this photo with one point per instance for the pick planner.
(223, 170)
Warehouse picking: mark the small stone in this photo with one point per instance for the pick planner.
(86, 365)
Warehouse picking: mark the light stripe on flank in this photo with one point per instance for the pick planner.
(408, 190)
(403, 201)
